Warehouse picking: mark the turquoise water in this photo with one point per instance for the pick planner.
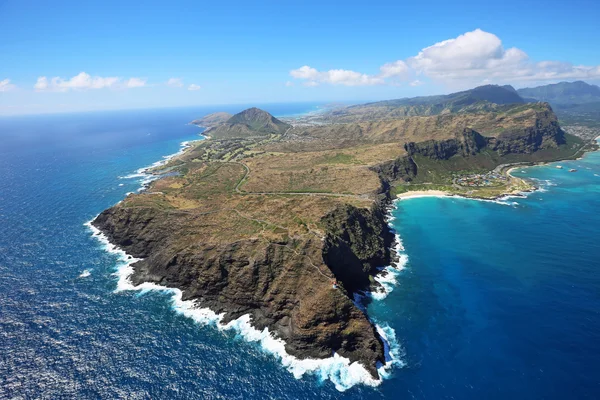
(496, 300)
(502, 301)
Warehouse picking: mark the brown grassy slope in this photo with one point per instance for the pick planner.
(207, 190)
(415, 129)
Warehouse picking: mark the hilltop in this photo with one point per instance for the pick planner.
(248, 123)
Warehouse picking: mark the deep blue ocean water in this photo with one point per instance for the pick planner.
(496, 300)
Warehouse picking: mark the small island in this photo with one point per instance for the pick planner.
(285, 220)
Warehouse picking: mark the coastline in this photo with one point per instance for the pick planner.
(505, 169)
(423, 193)
(591, 146)
(339, 370)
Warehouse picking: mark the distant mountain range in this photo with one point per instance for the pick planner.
(575, 103)
(480, 99)
(563, 93)
(490, 93)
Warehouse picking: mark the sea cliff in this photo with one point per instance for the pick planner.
(286, 286)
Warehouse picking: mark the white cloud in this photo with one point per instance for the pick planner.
(84, 81)
(471, 58)
(193, 86)
(289, 83)
(135, 82)
(479, 56)
(468, 54)
(41, 84)
(334, 77)
(175, 82)
(396, 69)
(304, 72)
(5, 85)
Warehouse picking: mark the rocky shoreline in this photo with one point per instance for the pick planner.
(358, 239)
(341, 371)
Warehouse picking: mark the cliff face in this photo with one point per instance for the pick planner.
(401, 168)
(357, 241)
(543, 133)
(465, 143)
(285, 286)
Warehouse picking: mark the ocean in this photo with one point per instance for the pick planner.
(495, 299)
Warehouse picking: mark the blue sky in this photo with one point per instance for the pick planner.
(72, 56)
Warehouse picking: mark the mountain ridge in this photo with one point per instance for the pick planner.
(479, 99)
(563, 93)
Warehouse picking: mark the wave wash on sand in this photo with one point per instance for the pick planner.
(339, 370)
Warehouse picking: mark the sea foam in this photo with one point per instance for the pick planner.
(388, 275)
(85, 273)
(339, 370)
(143, 175)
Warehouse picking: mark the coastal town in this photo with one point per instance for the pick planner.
(489, 179)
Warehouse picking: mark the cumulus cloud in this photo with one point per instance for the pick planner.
(334, 77)
(41, 84)
(175, 82)
(135, 82)
(479, 56)
(473, 57)
(84, 81)
(193, 87)
(395, 69)
(5, 85)
(474, 54)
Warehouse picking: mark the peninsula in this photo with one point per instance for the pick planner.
(285, 220)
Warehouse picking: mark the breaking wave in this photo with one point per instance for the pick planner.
(339, 370)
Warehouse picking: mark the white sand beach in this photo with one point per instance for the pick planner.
(422, 193)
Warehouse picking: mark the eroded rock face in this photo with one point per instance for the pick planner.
(285, 286)
(543, 133)
(466, 142)
(546, 133)
(401, 168)
(358, 241)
